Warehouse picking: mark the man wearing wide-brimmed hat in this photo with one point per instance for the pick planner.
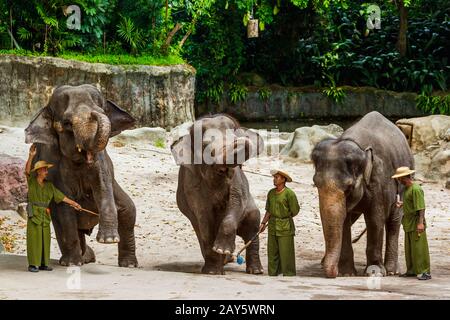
(413, 221)
(281, 206)
(40, 193)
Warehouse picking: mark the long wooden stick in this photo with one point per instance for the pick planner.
(89, 211)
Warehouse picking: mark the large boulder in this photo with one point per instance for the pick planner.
(13, 183)
(302, 142)
(425, 132)
(429, 139)
(179, 131)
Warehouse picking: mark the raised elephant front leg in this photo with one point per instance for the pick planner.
(203, 224)
(102, 190)
(226, 235)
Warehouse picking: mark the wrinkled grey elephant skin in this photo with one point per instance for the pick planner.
(72, 132)
(215, 195)
(353, 177)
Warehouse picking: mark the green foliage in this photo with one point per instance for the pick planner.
(433, 104)
(133, 36)
(237, 92)
(264, 93)
(160, 143)
(115, 59)
(336, 94)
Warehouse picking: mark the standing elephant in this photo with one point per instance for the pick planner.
(213, 192)
(353, 177)
(72, 132)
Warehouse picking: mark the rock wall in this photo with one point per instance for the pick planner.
(429, 139)
(157, 96)
(287, 103)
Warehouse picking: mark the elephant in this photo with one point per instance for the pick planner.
(72, 132)
(353, 177)
(213, 191)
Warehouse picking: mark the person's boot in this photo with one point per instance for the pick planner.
(45, 268)
(33, 269)
(424, 276)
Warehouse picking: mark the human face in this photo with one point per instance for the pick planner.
(404, 180)
(42, 172)
(278, 180)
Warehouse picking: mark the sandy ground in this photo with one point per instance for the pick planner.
(169, 254)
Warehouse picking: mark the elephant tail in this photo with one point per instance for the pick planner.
(360, 235)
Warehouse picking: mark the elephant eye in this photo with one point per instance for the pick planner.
(67, 124)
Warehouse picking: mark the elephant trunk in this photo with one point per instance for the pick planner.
(332, 214)
(91, 131)
(103, 131)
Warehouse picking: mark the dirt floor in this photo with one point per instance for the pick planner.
(169, 254)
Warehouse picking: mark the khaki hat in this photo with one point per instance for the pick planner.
(283, 173)
(402, 171)
(41, 164)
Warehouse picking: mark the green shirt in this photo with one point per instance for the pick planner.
(43, 194)
(413, 201)
(282, 207)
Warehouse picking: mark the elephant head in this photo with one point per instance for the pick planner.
(218, 142)
(80, 121)
(342, 172)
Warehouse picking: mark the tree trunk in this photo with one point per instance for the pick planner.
(402, 40)
(170, 36)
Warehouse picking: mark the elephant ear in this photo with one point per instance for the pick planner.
(369, 164)
(256, 141)
(40, 129)
(119, 118)
(182, 151)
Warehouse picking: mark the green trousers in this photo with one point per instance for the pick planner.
(416, 253)
(38, 244)
(281, 255)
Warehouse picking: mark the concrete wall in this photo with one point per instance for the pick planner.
(155, 95)
(296, 103)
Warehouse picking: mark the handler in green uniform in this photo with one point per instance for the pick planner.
(40, 194)
(281, 206)
(414, 224)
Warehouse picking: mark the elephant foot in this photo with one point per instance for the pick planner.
(224, 244)
(88, 256)
(347, 271)
(108, 236)
(254, 268)
(71, 260)
(129, 261)
(212, 269)
(375, 270)
(391, 270)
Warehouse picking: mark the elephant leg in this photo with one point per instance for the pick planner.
(226, 235)
(66, 229)
(392, 233)
(247, 230)
(126, 215)
(214, 262)
(346, 265)
(375, 222)
(86, 251)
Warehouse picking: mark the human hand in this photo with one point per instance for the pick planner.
(420, 228)
(75, 205)
(399, 204)
(262, 227)
(33, 150)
